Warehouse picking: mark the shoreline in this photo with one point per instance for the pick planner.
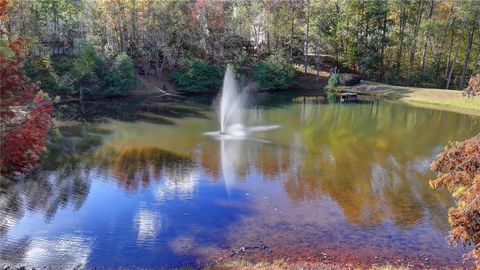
(309, 85)
(431, 98)
(283, 264)
(336, 258)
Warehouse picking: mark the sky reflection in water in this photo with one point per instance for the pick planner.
(350, 182)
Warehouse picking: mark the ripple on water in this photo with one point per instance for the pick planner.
(335, 183)
(65, 252)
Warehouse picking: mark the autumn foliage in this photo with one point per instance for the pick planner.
(3, 10)
(473, 88)
(459, 171)
(25, 115)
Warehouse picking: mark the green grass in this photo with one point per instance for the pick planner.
(450, 100)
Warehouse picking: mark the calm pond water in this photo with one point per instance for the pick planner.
(139, 185)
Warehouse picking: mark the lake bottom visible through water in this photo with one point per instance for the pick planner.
(140, 185)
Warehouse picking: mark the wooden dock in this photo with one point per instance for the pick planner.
(348, 97)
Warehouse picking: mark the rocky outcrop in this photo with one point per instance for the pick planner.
(348, 79)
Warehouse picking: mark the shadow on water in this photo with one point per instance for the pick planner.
(164, 109)
(156, 110)
(269, 100)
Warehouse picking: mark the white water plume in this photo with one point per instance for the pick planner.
(231, 110)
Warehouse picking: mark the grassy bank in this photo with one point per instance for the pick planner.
(450, 100)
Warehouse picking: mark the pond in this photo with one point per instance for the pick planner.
(140, 185)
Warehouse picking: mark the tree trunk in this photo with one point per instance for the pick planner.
(424, 52)
(403, 21)
(384, 43)
(449, 53)
(467, 56)
(174, 58)
(453, 65)
(275, 35)
(342, 42)
(122, 26)
(317, 61)
(307, 38)
(476, 64)
(291, 33)
(438, 55)
(159, 68)
(367, 26)
(415, 34)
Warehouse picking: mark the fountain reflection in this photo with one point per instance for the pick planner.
(365, 163)
(359, 156)
(336, 178)
(348, 164)
(232, 158)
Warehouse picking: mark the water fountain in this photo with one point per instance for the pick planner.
(231, 101)
(230, 107)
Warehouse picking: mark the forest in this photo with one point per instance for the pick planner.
(91, 47)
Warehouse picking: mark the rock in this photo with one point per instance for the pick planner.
(348, 79)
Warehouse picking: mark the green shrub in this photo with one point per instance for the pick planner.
(241, 64)
(123, 78)
(84, 64)
(94, 74)
(369, 66)
(88, 72)
(198, 75)
(274, 73)
(333, 79)
(63, 64)
(42, 70)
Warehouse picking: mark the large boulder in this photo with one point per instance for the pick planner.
(348, 79)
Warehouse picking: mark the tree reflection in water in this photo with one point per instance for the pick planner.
(339, 176)
(373, 163)
(375, 168)
(134, 167)
(61, 181)
(64, 180)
